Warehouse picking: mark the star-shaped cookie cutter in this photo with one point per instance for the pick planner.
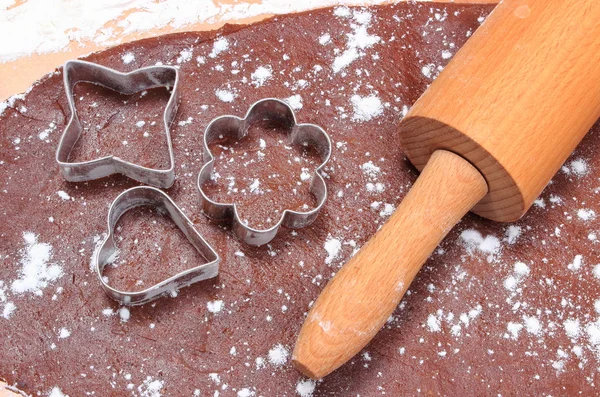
(149, 196)
(125, 83)
(237, 128)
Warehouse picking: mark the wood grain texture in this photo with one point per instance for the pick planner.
(360, 298)
(515, 101)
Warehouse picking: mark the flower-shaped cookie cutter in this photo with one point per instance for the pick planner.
(237, 128)
(125, 83)
(149, 196)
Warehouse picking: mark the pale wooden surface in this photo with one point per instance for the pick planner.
(18, 75)
(515, 100)
(357, 302)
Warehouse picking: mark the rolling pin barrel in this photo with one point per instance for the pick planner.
(515, 101)
(488, 135)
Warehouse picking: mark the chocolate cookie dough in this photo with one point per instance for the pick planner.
(497, 310)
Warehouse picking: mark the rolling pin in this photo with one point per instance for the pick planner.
(487, 136)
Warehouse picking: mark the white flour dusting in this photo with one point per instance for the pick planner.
(324, 39)
(388, 209)
(219, 45)
(514, 329)
(127, 58)
(572, 328)
(245, 392)
(63, 195)
(576, 264)
(366, 108)
(124, 314)
(64, 333)
(333, 247)
(215, 378)
(342, 12)
(305, 175)
(357, 41)
(521, 270)
(9, 307)
(586, 214)
(214, 306)
(44, 134)
(260, 362)
(278, 355)
(36, 273)
(578, 167)
(97, 241)
(151, 387)
(185, 122)
(533, 325)
(512, 234)
(305, 387)
(261, 75)
(349, 56)
(377, 187)
(225, 95)
(433, 323)
(295, 101)
(596, 271)
(593, 332)
(426, 70)
(185, 55)
(108, 312)
(474, 241)
(254, 187)
(10, 102)
(56, 392)
(370, 169)
(8, 310)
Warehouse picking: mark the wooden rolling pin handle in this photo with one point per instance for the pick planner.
(357, 302)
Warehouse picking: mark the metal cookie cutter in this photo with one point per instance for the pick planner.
(149, 196)
(124, 83)
(237, 128)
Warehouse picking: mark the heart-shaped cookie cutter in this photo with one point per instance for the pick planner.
(237, 128)
(125, 83)
(149, 196)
